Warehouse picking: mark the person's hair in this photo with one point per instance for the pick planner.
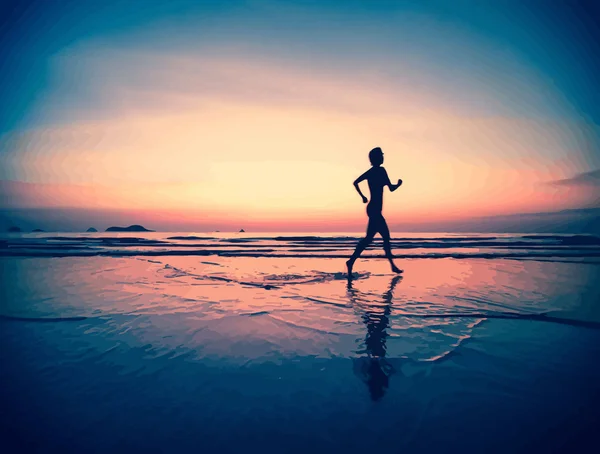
(375, 155)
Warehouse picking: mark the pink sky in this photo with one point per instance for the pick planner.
(201, 138)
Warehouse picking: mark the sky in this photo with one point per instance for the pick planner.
(196, 116)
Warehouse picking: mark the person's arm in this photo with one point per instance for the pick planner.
(393, 187)
(389, 184)
(358, 180)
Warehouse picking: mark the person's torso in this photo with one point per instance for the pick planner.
(377, 180)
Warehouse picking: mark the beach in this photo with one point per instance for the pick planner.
(168, 342)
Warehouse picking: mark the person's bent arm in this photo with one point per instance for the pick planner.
(393, 187)
(358, 180)
(389, 184)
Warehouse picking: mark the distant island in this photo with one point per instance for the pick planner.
(14, 229)
(131, 228)
(37, 230)
(242, 231)
(92, 229)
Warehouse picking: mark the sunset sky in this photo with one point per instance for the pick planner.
(260, 114)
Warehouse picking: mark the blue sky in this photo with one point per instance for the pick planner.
(557, 41)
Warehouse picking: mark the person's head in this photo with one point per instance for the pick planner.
(376, 156)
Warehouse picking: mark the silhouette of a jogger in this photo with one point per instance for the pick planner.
(377, 179)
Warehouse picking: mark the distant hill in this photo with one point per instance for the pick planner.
(37, 230)
(131, 228)
(14, 229)
(92, 229)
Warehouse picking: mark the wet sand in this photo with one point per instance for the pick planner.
(207, 354)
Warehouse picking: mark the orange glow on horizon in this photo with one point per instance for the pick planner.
(237, 158)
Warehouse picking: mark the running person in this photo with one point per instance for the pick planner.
(377, 179)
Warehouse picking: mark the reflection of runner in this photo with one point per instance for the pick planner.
(376, 318)
(377, 178)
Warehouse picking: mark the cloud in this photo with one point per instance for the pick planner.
(591, 178)
(573, 221)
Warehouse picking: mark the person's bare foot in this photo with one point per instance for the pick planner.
(395, 269)
(349, 266)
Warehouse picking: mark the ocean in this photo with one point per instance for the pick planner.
(227, 342)
(299, 245)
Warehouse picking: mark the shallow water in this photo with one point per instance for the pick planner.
(224, 353)
(332, 245)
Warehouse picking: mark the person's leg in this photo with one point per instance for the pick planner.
(384, 231)
(361, 246)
